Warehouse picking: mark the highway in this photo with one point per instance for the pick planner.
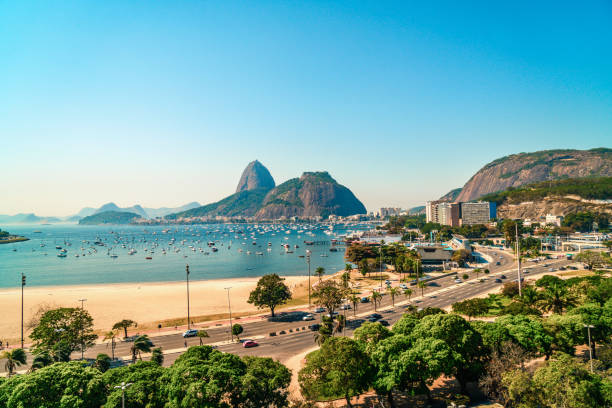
(299, 338)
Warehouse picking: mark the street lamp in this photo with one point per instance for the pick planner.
(123, 387)
(380, 252)
(82, 345)
(589, 327)
(229, 305)
(23, 283)
(187, 279)
(308, 252)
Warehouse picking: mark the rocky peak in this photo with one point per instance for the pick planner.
(255, 176)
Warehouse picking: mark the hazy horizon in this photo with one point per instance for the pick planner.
(162, 104)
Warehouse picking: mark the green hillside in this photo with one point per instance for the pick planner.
(592, 188)
(109, 217)
(243, 203)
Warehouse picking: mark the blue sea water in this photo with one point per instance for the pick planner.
(182, 245)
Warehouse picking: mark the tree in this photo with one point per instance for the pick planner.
(13, 358)
(62, 331)
(329, 295)
(510, 289)
(339, 367)
(110, 337)
(124, 324)
(41, 360)
(345, 278)
(320, 271)
(157, 356)
(202, 334)
(376, 298)
(145, 389)
(567, 332)
(354, 301)
(370, 333)
(70, 384)
(405, 324)
(555, 298)
(472, 307)
(203, 377)
(384, 355)
(393, 292)
(364, 268)
(408, 293)
(237, 330)
(530, 296)
(422, 285)
(326, 330)
(103, 362)
(265, 383)
(528, 332)
(460, 256)
(593, 259)
(139, 345)
(477, 271)
(598, 317)
(507, 358)
(270, 292)
(465, 343)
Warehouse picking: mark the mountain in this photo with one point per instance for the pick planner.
(109, 217)
(520, 169)
(254, 177)
(313, 194)
(136, 209)
(85, 212)
(163, 211)
(27, 219)
(451, 196)
(560, 197)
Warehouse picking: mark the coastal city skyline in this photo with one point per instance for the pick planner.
(168, 105)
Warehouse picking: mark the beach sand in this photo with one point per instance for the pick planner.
(146, 303)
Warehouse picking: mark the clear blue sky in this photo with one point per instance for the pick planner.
(164, 102)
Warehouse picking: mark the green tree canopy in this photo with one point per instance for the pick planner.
(270, 292)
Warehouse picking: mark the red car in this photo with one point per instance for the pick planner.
(250, 343)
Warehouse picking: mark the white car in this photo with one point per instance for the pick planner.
(458, 280)
(403, 286)
(308, 317)
(319, 310)
(190, 333)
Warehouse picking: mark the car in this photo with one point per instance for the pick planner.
(481, 280)
(387, 282)
(319, 310)
(384, 323)
(503, 277)
(249, 344)
(497, 263)
(562, 268)
(345, 307)
(314, 327)
(403, 286)
(190, 333)
(497, 280)
(364, 300)
(417, 301)
(458, 280)
(333, 314)
(525, 270)
(551, 270)
(375, 316)
(308, 317)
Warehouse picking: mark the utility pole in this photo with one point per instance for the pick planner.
(589, 327)
(23, 283)
(82, 345)
(123, 387)
(518, 259)
(308, 252)
(380, 252)
(229, 305)
(188, 315)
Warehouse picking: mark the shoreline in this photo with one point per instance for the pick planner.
(148, 303)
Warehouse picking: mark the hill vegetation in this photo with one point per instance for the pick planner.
(109, 217)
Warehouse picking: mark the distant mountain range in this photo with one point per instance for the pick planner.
(110, 217)
(88, 211)
(312, 194)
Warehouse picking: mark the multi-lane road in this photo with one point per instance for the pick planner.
(298, 338)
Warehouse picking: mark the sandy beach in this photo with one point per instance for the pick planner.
(146, 303)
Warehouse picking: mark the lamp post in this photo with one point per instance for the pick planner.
(229, 305)
(589, 327)
(380, 253)
(123, 387)
(308, 252)
(23, 283)
(187, 280)
(82, 345)
(518, 259)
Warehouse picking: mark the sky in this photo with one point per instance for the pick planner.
(163, 103)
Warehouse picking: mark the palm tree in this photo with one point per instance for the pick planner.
(320, 271)
(340, 324)
(408, 293)
(13, 359)
(348, 267)
(495, 301)
(355, 301)
(110, 337)
(477, 271)
(422, 285)
(364, 268)
(530, 296)
(556, 298)
(41, 360)
(124, 324)
(393, 292)
(346, 277)
(376, 297)
(140, 344)
(325, 331)
(201, 334)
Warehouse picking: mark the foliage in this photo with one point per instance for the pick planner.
(270, 292)
(62, 331)
(144, 391)
(14, 358)
(157, 356)
(237, 330)
(329, 294)
(472, 307)
(528, 332)
(264, 383)
(340, 368)
(124, 324)
(109, 217)
(102, 362)
(139, 345)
